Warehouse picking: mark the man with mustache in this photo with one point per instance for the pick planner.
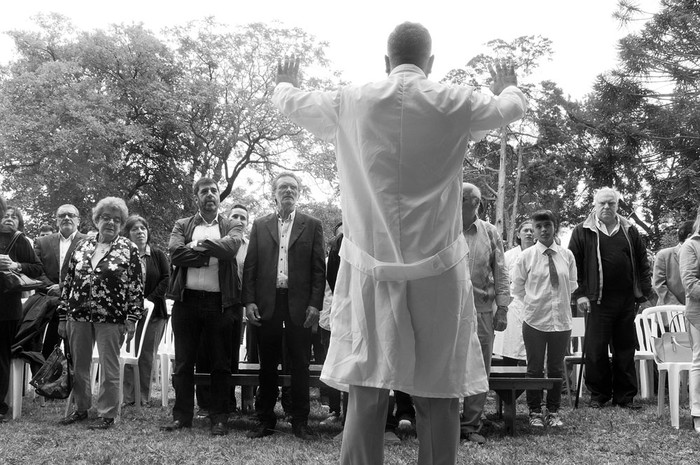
(54, 251)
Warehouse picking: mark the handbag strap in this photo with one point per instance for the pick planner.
(12, 242)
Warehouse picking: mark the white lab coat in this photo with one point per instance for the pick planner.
(403, 314)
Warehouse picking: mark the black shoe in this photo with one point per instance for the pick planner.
(74, 417)
(629, 406)
(301, 431)
(260, 431)
(596, 404)
(202, 414)
(175, 425)
(219, 429)
(101, 423)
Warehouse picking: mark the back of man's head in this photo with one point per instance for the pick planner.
(685, 230)
(409, 43)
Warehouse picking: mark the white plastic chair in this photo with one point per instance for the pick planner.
(166, 354)
(644, 358)
(654, 327)
(129, 355)
(578, 331)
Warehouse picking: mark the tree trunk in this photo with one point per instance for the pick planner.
(501, 193)
(516, 197)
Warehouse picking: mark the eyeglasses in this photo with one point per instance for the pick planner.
(107, 219)
(66, 215)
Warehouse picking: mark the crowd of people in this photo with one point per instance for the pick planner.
(423, 292)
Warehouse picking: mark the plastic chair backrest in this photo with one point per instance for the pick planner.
(643, 342)
(130, 349)
(653, 319)
(578, 331)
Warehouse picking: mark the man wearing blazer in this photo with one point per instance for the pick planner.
(55, 251)
(283, 285)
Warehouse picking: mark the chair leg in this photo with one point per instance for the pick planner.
(121, 388)
(137, 388)
(661, 396)
(16, 386)
(567, 382)
(674, 380)
(164, 378)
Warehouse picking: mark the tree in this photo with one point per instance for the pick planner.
(129, 113)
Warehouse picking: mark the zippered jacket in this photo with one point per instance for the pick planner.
(586, 249)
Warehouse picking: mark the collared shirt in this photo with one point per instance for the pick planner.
(546, 308)
(487, 266)
(240, 258)
(205, 278)
(64, 245)
(146, 253)
(604, 229)
(284, 228)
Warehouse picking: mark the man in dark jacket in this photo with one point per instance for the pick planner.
(613, 276)
(205, 288)
(283, 283)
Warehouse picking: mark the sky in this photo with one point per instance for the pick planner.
(584, 34)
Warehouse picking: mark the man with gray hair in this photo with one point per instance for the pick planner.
(487, 268)
(403, 312)
(613, 276)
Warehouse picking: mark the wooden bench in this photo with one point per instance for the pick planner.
(509, 382)
(506, 381)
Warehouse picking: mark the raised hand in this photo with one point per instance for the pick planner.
(503, 75)
(288, 70)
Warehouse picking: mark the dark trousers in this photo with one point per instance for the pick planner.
(612, 323)
(404, 410)
(198, 316)
(297, 341)
(8, 329)
(537, 344)
(332, 394)
(203, 365)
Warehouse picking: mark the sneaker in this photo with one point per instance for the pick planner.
(202, 414)
(332, 419)
(536, 420)
(553, 420)
(474, 437)
(101, 423)
(405, 425)
(74, 417)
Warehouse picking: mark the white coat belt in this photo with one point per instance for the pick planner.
(387, 271)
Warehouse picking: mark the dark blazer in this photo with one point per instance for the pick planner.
(306, 266)
(156, 281)
(48, 250)
(11, 302)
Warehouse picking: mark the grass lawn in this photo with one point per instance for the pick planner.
(608, 435)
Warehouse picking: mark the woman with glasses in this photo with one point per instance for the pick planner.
(101, 301)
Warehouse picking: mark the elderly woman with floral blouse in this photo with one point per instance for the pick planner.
(101, 300)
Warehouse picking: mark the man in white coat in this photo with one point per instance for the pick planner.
(403, 313)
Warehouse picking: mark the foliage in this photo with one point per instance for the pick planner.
(130, 113)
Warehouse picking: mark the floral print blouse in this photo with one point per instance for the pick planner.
(112, 292)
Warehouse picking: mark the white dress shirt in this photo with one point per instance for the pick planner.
(546, 308)
(63, 246)
(205, 278)
(284, 230)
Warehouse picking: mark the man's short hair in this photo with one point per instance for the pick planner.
(467, 186)
(284, 174)
(685, 230)
(238, 205)
(45, 228)
(68, 205)
(517, 231)
(409, 43)
(603, 190)
(203, 181)
(544, 215)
